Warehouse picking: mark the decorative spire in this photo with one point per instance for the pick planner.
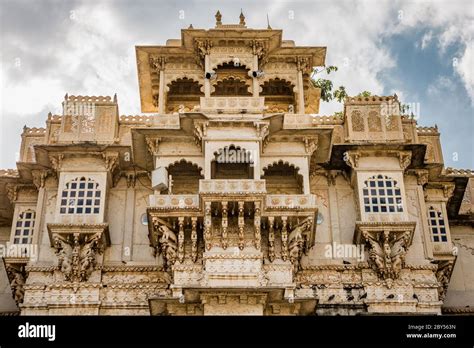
(218, 18)
(268, 23)
(191, 26)
(242, 18)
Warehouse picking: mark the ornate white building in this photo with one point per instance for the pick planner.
(230, 195)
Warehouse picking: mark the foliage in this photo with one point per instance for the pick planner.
(326, 86)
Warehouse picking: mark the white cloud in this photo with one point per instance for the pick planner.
(440, 86)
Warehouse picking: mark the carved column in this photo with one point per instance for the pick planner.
(241, 223)
(194, 239)
(181, 239)
(257, 219)
(284, 238)
(255, 86)
(271, 238)
(208, 226)
(225, 224)
(39, 179)
(301, 65)
(207, 82)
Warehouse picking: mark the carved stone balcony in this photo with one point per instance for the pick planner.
(290, 202)
(232, 187)
(233, 104)
(174, 202)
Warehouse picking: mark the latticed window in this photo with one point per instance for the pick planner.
(81, 196)
(437, 225)
(381, 195)
(24, 227)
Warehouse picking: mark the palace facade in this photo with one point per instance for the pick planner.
(231, 195)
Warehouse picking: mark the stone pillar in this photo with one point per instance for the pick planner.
(161, 95)
(257, 220)
(207, 82)
(207, 226)
(284, 238)
(181, 239)
(255, 86)
(241, 223)
(225, 213)
(128, 223)
(300, 92)
(271, 238)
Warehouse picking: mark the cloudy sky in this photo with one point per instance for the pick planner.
(422, 50)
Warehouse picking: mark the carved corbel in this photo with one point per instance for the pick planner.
(12, 192)
(388, 246)
(39, 177)
(352, 158)
(310, 144)
(77, 250)
(422, 176)
(17, 277)
(157, 63)
(443, 275)
(56, 162)
(152, 145)
(405, 159)
(448, 190)
(165, 242)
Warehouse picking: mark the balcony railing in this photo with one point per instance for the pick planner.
(233, 104)
(289, 202)
(174, 201)
(232, 186)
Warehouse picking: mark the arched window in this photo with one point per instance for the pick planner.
(81, 196)
(437, 226)
(381, 195)
(24, 227)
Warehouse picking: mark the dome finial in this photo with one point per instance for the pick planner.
(242, 18)
(218, 18)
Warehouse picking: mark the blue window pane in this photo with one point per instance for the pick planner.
(390, 200)
(442, 230)
(70, 211)
(82, 185)
(432, 214)
(383, 209)
(27, 223)
(63, 201)
(391, 208)
(79, 210)
(388, 184)
(375, 209)
(16, 241)
(96, 210)
(372, 184)
(373, 192)
(89, 193)
(444, 239)
(90, 186)
(64, 194)
(17, 232)
(62, 211)
(73, 185)
(18, 223)
(381, 192)
(366, 201)
(88, 201)
(380, 183)
(97, 193)
(72, 194)
(436, 238)
(88, 210)
(397, 192)
(25, 240)
(366, 192)
(441, 222)
(81, 193)
(97, 202)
